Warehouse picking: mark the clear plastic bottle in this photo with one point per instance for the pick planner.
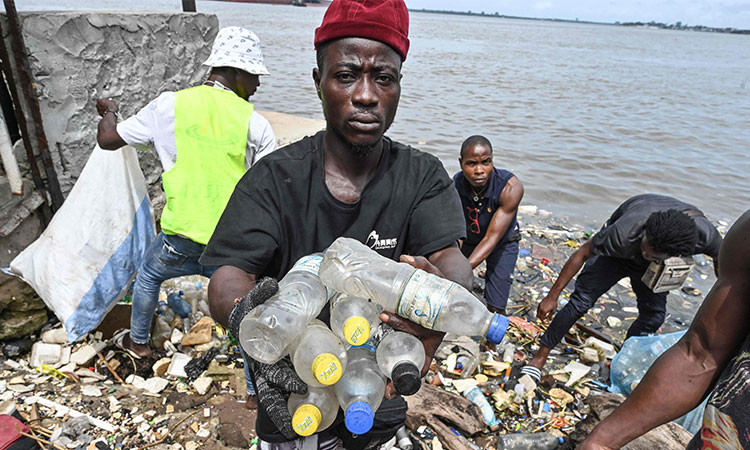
(314, 411)
(404, 441)
(535, 441)
(318, 356)
(401, 358)
(353, 318)
(353, 268)
(477, 397)
(360, 390)
(267, 331)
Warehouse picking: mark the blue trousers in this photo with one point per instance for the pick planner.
(598, 276)
(500, 266)
(167, 257)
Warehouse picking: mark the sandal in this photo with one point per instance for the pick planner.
(117, 339)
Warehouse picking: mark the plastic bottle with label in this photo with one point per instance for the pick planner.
(314, 411)
(267, 331)
(318, 356)
(534, 441)
(353, 318)
(477, 397)
(360, 390)
(401, 358)
(353, 268)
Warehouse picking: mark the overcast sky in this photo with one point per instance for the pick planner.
(716, 13)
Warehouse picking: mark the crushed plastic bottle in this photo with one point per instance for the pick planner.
(267, 331)
(401, 358)
(534, 441)
(476, 396)
(314, 411)
(318, 356)
(353, 318)
(353, 268)
(360, 390)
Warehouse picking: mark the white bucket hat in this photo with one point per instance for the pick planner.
(237, 47)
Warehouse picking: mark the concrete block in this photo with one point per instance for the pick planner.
(131, 57)
(42, 353)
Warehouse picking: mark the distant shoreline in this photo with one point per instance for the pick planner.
(651, 25)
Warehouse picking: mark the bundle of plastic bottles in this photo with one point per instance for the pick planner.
(349, 364)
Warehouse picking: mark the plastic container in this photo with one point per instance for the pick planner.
(318, 356)
(353, 318)
(401, 357)
(353, 268)
(178, 304)
(535, 441)
(360, 390)
(161, 332)
(314, 411)
(267, 331)
(636, 356)
(477, 397)
(404, 441)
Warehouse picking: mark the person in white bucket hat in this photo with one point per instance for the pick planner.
(218, 136)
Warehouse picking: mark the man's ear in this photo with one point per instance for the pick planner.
(316, 79)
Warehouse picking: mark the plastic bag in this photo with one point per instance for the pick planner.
(636, 356)
(88, 255)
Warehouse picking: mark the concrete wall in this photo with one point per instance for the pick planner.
(77, 57)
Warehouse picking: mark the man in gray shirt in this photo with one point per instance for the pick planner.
(644, 229)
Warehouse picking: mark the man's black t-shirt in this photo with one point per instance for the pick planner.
(282, 210)
(621, 235)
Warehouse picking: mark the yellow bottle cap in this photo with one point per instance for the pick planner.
(356, 330)
(327, 369)
(306, 419)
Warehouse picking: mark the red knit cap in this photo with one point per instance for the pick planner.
(386, 21)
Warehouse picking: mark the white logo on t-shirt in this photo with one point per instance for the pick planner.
(375, 243)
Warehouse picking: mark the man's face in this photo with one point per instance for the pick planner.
(247, 84)
(359, 87)
(476, 164)
(649, 254)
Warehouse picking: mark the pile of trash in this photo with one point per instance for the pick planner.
(190, 393)
(576, 370)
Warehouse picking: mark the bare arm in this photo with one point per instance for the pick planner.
(106, 134)
(549, 304)
(227, 284)
(510, 198)
(452, 264)
(683, 375)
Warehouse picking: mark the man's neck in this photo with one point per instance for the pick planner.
(346, 173)
(216, 78)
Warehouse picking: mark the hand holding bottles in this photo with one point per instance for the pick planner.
(273, 384)
(263, 290)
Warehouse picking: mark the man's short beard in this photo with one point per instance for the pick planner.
(362, 151)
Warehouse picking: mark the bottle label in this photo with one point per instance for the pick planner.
(423, 298)
(309, 264)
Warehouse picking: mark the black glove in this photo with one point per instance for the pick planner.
(263, 290)
(273, 382)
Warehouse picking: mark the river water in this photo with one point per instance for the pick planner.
(585, 115)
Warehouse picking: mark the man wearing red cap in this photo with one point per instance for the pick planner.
(348, 180)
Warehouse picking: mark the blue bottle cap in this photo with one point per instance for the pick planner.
(497, 328)
(359, 417)
(561, 440)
